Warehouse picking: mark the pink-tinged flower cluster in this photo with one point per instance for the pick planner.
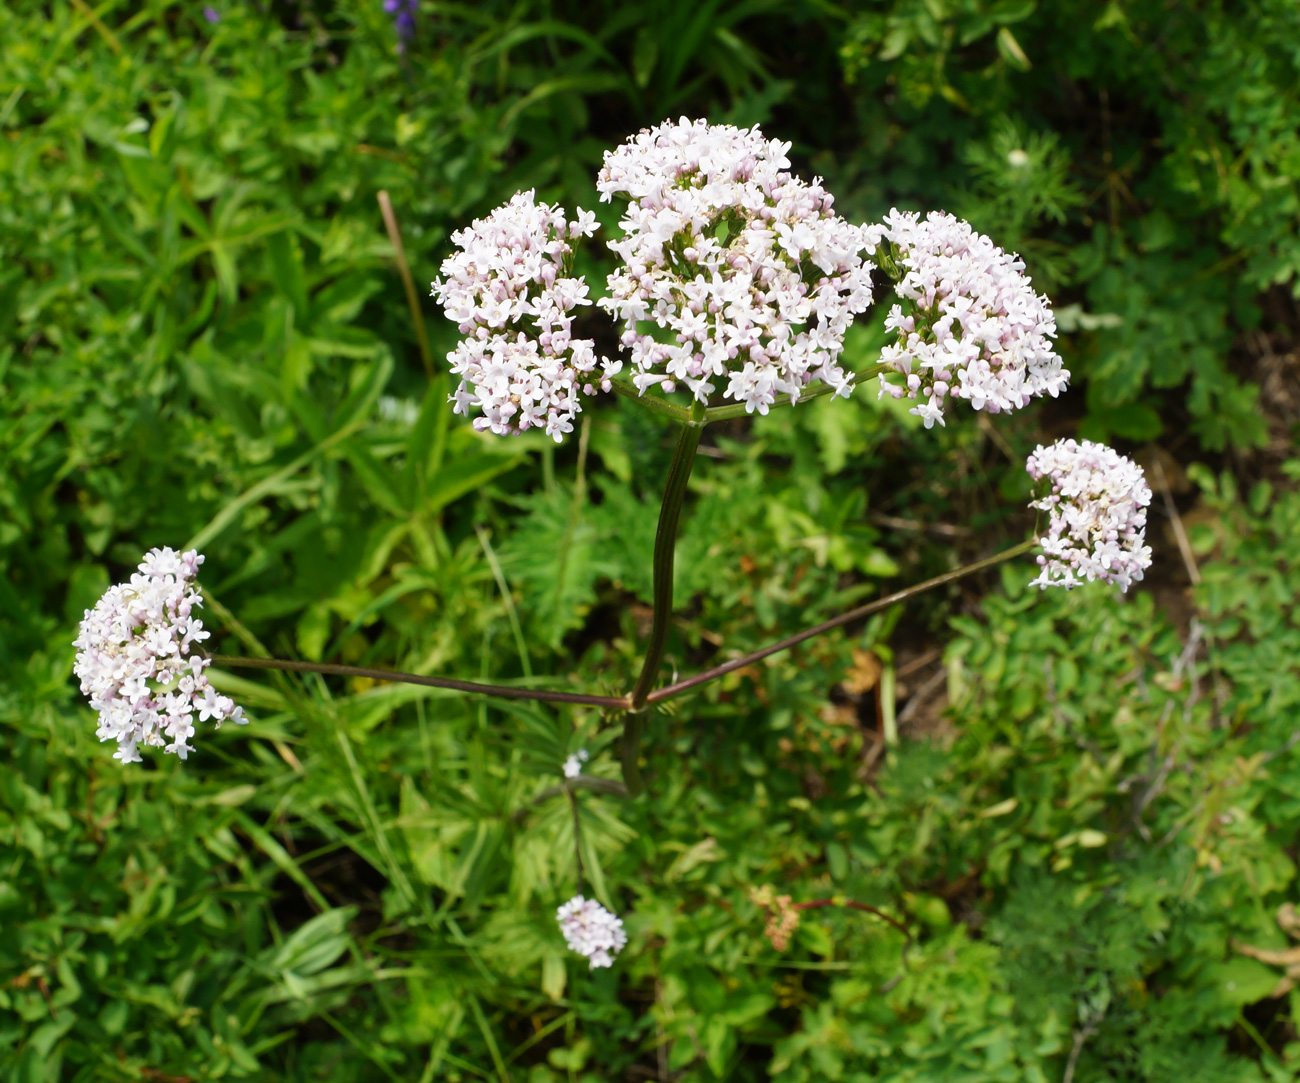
(971, 326)
(746, 270)
(1097, 509)
(591, 930)
(136, 659)
(508, 291)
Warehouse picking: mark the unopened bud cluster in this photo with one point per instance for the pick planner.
(137, 660)
(1097, 515)
(971, 327)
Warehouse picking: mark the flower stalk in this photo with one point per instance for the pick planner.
(678, 687)
(670, 511)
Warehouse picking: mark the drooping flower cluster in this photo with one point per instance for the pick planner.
(508, 291)
(591, 930)
(573, 765)
(136, 659)
(748, 273)
(972, 326)
(1097, 509)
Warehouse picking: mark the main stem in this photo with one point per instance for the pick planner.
(670, 512)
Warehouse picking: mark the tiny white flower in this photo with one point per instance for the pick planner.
(573, 765)
(591, 930)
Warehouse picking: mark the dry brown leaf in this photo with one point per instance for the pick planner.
(863, 674)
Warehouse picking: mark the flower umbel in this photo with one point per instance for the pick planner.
(137, 663)
(973, 327)
(746, 268)
(1097, 509)
(507, 289)
(591, 930)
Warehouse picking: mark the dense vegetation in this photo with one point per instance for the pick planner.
(1089, 827)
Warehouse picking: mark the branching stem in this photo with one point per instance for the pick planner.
(844, 618)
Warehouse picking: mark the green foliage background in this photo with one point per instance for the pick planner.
(203, 341)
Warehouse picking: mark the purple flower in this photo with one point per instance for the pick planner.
(403, 13)
(212, 15)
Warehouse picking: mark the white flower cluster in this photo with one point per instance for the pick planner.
(573, 765)
(974, 328)
(135, 663)
(508, 292)
(591, 930)
(746, 268)
(1097, 508)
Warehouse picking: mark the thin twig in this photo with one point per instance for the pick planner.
(104, 32)
(1080, 1037)
(512, 614)
(679, 687)
(611, 787)
(1176, 521)
(893, 522)
(921, 695)
(851, 904)
(577, 840)
(408, 284)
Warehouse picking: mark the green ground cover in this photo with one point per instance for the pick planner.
(1090, 825)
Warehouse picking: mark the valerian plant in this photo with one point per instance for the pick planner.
(735, 285)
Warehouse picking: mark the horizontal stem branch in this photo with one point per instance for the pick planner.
(844, 618)
(658, 406)
(501, 691)
(852, 904)
(739, 409)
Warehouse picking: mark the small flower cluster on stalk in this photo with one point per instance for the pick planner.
(573, 765)
(136, 659)
(591, 930)
(973, 327)
(747, 268)
(1097, 515)
(508, 290)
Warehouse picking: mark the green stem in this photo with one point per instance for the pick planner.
(649, 402)
(844, 618)
(724, 413)
(665, 544)
(501, 691)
